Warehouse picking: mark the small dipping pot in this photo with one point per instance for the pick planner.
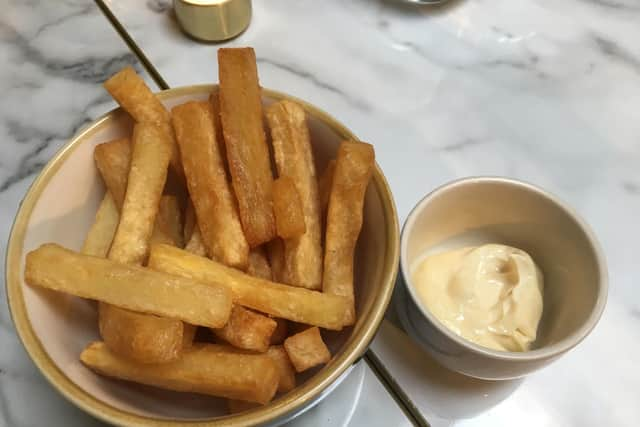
(476, 211)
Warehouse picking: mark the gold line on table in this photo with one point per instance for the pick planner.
(131, 44)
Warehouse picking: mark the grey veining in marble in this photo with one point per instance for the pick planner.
(543, 91)
(548, 92)
(53, 57)
(48, 71)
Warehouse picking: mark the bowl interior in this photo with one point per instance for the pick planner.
(64, 325)
(493, 210)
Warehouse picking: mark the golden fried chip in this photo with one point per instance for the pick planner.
(276, 299)
(294, 159)
(135, 97)
(204, 368)
(145, 338)
(247, 329)
(259, 264)
(113, 160)
(354, 166)
(214, 100)
(287, 208)
(142, 337)
(209, 189)
(246, 145)
(306, 349)
(100, 235)
(145, 183)
(287, 380)
(128, 286)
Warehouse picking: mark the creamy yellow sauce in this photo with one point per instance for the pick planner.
(490, 295)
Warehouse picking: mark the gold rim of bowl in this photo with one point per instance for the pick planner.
(288, 404)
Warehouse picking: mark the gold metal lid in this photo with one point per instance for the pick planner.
(213, 20)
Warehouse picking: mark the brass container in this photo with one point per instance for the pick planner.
(213, 20)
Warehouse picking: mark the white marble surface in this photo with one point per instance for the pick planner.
(543, 91)
(54, 57)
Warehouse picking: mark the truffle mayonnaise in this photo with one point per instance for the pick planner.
(491, 295)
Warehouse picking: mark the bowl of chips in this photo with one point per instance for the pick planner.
(217, 254)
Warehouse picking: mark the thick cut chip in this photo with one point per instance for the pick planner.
(245, 142)
(259, 264)
(306, 349)
(168, 227)
(276, 299)
(324, 185)
(204, 368)
(209, 189)
(133, 94)
(214, 100)
(287, 208)
(113, 160)
(195, 245)
(294, 159)
(145, 183)
(128, 286)
(141, 337)
(354, 166)
(247, 330)
(101, 233)
(285, 368)
(146, 338)
(146, 178)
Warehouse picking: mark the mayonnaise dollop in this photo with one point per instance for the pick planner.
(491, 295)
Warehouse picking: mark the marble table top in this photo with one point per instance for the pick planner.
(50, 81)
(548, 92)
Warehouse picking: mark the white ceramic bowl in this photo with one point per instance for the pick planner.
(60, 206)
(481, 210)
